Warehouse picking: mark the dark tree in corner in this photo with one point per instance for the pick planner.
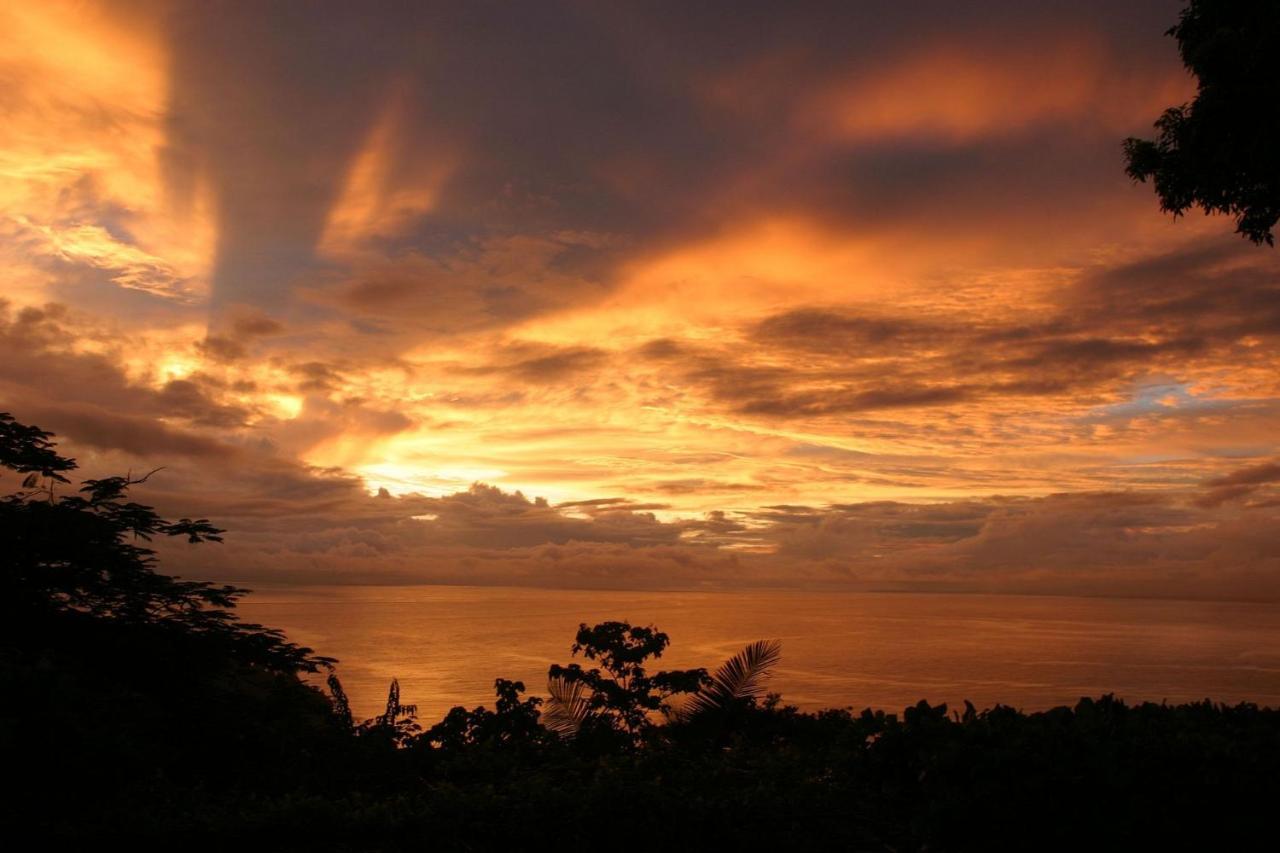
(1221, 152)
(132, 694)
(80, 555)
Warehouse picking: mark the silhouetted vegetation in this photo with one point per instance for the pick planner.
(616, 701)
(125, 685)
(1221, 152)
(139, 708)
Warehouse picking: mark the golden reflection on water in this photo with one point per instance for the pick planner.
(882, 650)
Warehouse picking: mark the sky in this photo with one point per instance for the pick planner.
(639, 295)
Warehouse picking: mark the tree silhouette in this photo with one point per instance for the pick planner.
(81, 554)
(620, 695)
(124, 685)
(27, 450)
(1221, 152)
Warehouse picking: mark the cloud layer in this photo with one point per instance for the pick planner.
(652, 294)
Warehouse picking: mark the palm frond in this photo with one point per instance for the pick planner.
(567, 706)
(739, 678)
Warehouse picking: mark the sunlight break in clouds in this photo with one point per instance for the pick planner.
(865, 300)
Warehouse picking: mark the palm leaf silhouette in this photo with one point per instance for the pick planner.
(740, 677)
(567, 706)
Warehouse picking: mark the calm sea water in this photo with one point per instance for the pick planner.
(879, 650)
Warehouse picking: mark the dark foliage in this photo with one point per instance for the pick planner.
(621, 696)
(120, 679)
(1101, 775)
(1221, 152)
(512, 723)
(81, 554)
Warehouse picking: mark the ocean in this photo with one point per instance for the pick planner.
(447, 644)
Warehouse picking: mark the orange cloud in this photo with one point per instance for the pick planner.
(390, 182)
(952, 94)
(86, 88)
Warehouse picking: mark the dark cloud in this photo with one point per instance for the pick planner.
(1252, 476)
(486, 516)
(250, 324)
(542, 364)
(316, 376)
(90, 397)
(1084, 543)
(1240, 484)
(244, 326)
(683, 112)
(1213, 291)
(844, 400)
(222, 348)
(558, 364)
(829, 330)
(139, 436)
(1107, 542)
(594, 502)
(269, 105)
(186, 398)
(39, 368)
(1161, 315)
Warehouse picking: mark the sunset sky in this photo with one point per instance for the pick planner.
(639, 294)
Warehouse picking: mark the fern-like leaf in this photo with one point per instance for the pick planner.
(567, 706)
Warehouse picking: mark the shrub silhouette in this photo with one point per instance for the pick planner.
(513, 722)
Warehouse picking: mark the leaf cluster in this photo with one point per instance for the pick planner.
(1221, 152)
